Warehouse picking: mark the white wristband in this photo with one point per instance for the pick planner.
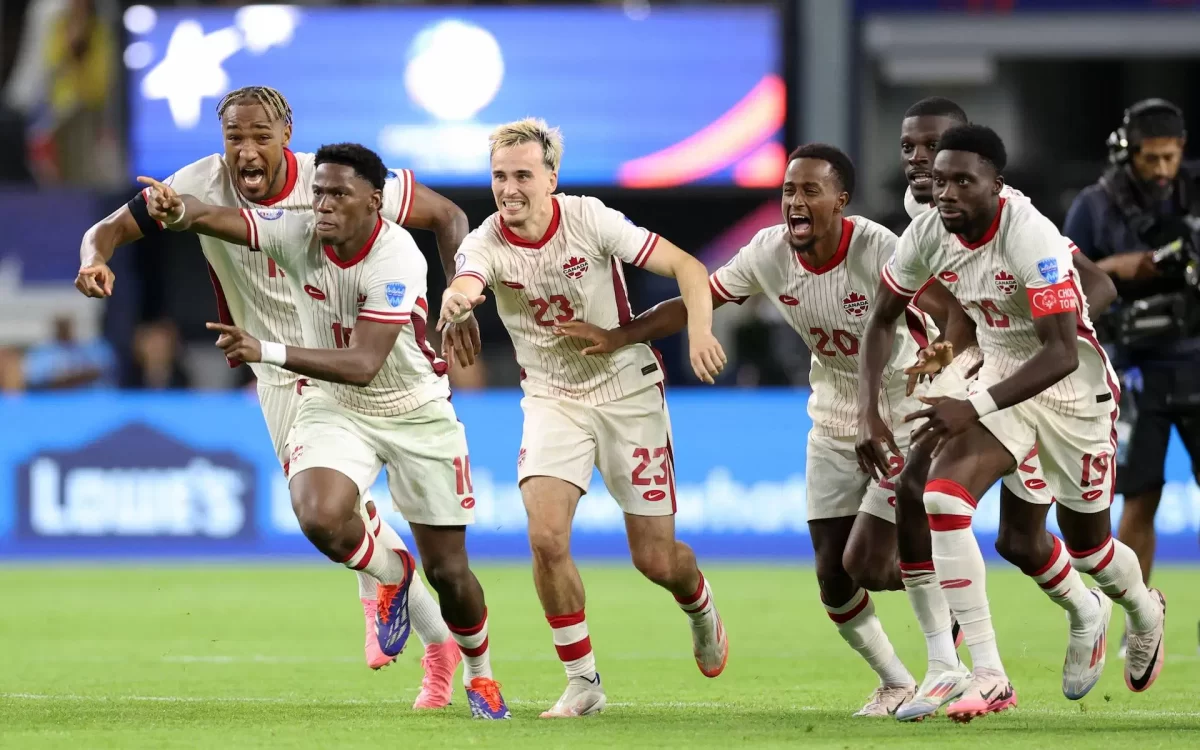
(273, 353)
(181, 215)
(983, 402)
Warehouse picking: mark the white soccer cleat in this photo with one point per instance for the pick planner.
(1147, 650)
(939, 687)
(710, 644)
(886, 700)
(1086, 651)
(582, 697)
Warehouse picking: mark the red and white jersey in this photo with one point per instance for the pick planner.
(572, 273)
(829, 307)
(385, 282)
(1020, 270)
(251, 290)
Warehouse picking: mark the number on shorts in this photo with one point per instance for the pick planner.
(341, 335)
(992, 314)
(1025, 466)
(646, 456)
(895, 466)
(542, 307)
(462, 474)
(845, 342)
(1094, 469)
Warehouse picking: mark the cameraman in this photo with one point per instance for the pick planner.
(1134, 223)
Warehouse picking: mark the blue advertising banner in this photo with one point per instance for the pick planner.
(653, 98)
(141, 475)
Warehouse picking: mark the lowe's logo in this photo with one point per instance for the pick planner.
(135, 482)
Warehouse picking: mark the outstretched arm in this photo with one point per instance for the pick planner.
(357, 364)
(186, 213)
(708, 358)
(1097, 285)
(662, 320)
(95, 278)
(873, 432)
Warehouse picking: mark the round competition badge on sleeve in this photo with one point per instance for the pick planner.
(269, 214)
(395, 293)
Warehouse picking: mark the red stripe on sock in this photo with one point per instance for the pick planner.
(1056, 579)
(695, 607)
(371, 512)
(686, 600)
(1112, 550)
(918, 567)
(948, 522)
(564, 621)
(474, 629)
(477, 651)
(366, 560)
(850, 614)
(952, 488)
(576, 650)
(1090, 552)
(1053, 559)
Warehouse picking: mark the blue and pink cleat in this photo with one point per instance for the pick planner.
(483, 696)
(392, 625)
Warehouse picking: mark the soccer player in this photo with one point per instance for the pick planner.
(1045, 381)
(383, 399)
(1024, 496)
(554, 258)
(819, 269)
(258, 169)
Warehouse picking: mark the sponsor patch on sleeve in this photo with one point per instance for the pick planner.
(269, 214)
(394, 292)
(1052, 300)
(1048, 268)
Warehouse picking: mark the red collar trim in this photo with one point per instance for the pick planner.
(293, 174)
(838, 257)
(513, 239)
(989, 234)
(358, 257)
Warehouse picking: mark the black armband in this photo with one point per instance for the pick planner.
(141, 214)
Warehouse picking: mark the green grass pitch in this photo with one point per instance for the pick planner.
(256, 656)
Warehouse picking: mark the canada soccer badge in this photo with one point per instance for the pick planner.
(1005, 282)
(855, 304)
(575, 268)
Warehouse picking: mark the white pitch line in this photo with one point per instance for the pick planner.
(1062, 713)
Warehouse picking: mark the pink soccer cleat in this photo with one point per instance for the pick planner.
(376, 659)
(437, 686)
(989, 693)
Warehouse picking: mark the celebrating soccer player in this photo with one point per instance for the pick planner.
(383, 398)
(550, 259)
(1045, 381)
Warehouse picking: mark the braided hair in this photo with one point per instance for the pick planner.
(272, 102)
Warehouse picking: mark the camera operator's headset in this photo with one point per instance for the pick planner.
(1118, 141)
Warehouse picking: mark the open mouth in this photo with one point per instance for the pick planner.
(254, 177)
(799, 226)
(512, 206)
(920, 178)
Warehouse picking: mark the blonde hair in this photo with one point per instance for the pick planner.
(530, 130)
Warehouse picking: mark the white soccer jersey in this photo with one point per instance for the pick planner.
(1020, 270)
(572, 273)
(384, 283)
(250, 287)
(829, 307)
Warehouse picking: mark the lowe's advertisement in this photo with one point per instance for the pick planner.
(193, 475)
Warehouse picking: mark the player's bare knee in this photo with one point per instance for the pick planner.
(446, 574)
(549, 545)
(868, 570)
(656, 562)
(1020, 548)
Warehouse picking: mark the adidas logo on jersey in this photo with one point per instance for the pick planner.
(855, 304)
(1005, 282)
(575, 268)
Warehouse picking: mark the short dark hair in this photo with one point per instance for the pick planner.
(937, 106)
(365, 162)
(977, 139)
(843, 168)
(1156, 123)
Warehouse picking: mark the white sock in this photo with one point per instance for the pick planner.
(699, 605)
(1115, 569)
(932, 611)
(859, 627)
(960, 569)
(385, 564)
(476, 653)
(573, 644)
(1065, 588)
(423, 610)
